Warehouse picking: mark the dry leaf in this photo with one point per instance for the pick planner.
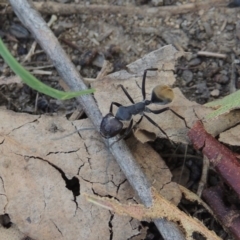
(176, 128)
(11, 233)
(11, 80)
(34, 170)
(155, 168)
(108, 90)
(161, 208)
(231, 136)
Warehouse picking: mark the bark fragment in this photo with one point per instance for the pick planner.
(228, 217)
(223, 159)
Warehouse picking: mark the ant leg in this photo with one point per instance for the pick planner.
(116, 104)
(158, 111)
(126, 133)
(156, 125)
(128, 130)
(166, 109)
(144, 80)
(137, 123)
(126, 93)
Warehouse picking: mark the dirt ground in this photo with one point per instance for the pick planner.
(209, 36)
(123, 38)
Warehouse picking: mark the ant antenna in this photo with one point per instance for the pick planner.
(78, 130)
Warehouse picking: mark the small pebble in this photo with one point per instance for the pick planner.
(215, 93)
(208, 29)
(62, 1)
(157, 3)
(2, 34)
(221, 78)
(238, 83)
(230, 27)
(202, 89)
(187, 75)
(238, 29)
(211, 71)
(195, 62)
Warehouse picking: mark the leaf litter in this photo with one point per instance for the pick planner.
(176, 128)
(36, 169)
(160, 208)
(226, 164)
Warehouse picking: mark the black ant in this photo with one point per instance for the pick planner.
(112, 125)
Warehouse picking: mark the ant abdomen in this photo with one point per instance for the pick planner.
(162, 94)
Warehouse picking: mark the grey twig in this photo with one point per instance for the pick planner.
(51, 7)
(49, 43)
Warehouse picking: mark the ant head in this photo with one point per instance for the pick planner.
(162, 94)
(110, 126)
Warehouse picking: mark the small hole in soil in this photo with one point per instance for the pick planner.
(152, 232)
(198, 236)
(5, 220)
(73, 185)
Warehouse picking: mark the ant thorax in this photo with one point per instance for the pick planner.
(124, 113)
(147, 102)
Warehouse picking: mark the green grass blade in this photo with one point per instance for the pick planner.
(33, 82)
(224, 105)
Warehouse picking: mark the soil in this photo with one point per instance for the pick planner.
(122, 39)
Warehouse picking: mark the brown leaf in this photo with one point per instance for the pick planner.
(11, 80)
(155, 168)
(37, 198)
(11, 233)
(33, 189)
(108, 91)
(175, 127)
(231, 136)
(161, 208)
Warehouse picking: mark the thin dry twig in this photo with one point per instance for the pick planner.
(211, 54)
(34, 44)
(67, 9)
(204, 176)
(41, 32)
(233, 80)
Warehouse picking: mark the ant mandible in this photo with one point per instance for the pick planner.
(112, 125)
